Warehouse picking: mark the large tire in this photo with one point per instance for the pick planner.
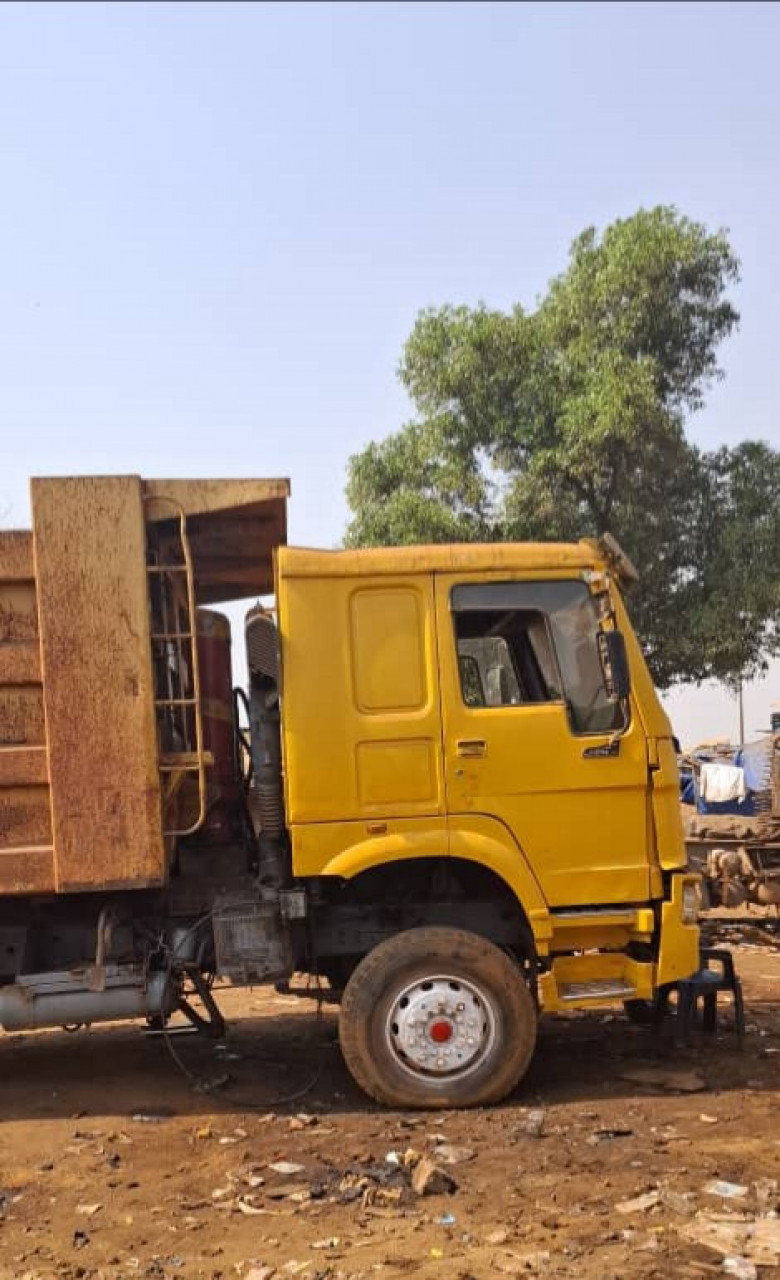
(437, 1017)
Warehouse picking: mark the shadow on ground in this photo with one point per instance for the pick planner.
(286, 1057)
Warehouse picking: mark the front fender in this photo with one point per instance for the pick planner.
(347, 850)
(488, 842)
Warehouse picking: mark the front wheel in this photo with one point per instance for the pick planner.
(437, 1017)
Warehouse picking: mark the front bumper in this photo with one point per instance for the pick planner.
(678, 952)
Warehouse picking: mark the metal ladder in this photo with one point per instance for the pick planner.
(181, 703)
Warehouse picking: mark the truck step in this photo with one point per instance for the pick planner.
(603, 990)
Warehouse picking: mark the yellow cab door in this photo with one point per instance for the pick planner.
(529, 735)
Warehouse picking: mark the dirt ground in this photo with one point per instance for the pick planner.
(113, 1165)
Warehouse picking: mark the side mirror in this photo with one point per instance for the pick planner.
(614, 664)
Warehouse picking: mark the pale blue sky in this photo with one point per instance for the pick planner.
(219, 221)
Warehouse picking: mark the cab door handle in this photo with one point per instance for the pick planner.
(603, 750)
(474, 748)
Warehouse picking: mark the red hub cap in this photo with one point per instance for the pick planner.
(441, 1031)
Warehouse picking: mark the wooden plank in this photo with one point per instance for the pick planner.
(90, 566)
(20, 662)
(16, 555)
(27, 870)
(23, 766)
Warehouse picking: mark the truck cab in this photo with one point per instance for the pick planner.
(451, 794)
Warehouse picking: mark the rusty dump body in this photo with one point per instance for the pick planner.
(85, 794)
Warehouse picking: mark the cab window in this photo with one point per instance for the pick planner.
(520, 643)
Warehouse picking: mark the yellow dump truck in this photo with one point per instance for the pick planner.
(449, 790)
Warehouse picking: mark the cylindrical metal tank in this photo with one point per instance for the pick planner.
(63, 999)
(224, 792)
(262, 649)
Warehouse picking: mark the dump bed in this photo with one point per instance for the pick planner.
(99, 710)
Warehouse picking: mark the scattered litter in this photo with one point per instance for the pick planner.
(80, 1239)
(682, 1202)
(302, 1121)
(393, 1157)
(607, 1135)
(666, 1078)
(742, 1268)
(639, 1204)
(287, 1168)
(154, 1115)
(728, 1190)
(449, 1154)
(518, 1264)
(260, 1273)
(287, 1192)
(446, 1220)
(88, 1210)
(651, 1244)
(766, 1192)
(534, 1122)
(429, 1179)
(756, 1241)
(705, 1119)
(437, 1253)
(245, 1205)
(332, 1242)
(221, 1050)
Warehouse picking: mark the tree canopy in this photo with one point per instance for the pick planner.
(568, 420)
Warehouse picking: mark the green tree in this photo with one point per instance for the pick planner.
(568, 420)
(735, 592)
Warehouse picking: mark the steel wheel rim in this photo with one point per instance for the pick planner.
(441, 1027)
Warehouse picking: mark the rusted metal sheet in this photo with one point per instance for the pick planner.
(90, 564)
(22, 721)
(26, 870)
(233, 527)
(199, 497)
(26, 855)
(23, 766)
(18, 606)
(16, 555)
(20, 662)
(79, 769)
(25, 817)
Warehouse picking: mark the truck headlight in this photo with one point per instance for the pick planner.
(691, 903)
